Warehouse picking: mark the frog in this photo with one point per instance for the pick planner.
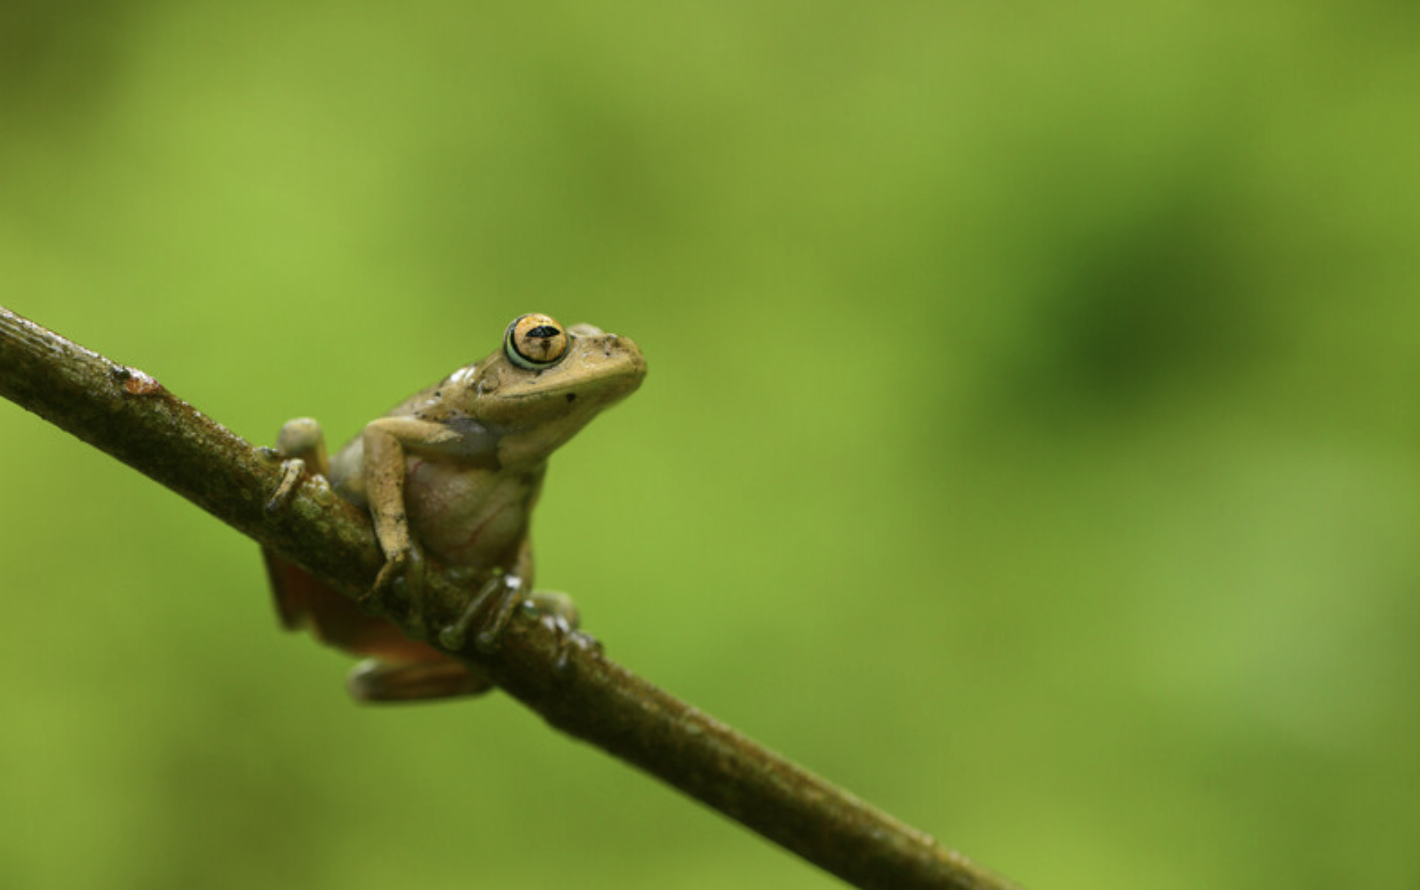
(450, 477)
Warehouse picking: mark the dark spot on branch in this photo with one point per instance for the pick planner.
(137, 383)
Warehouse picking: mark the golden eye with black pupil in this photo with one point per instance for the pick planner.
(535, 341)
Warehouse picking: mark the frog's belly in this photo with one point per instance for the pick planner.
(468, 517)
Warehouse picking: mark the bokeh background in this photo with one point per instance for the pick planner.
(1031, 444)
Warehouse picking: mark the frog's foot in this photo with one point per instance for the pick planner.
(558, 610)
(292, 472)
(402, 574)
(505, 593)
(375, 681)
(301, 446)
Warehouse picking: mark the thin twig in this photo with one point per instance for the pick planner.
(131, 416)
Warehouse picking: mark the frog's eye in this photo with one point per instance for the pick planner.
(535, 342)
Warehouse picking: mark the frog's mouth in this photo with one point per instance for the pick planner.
(538, 412)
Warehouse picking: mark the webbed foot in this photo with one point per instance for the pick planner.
(506, 593)
(504, 597)
(558, 610)
(374, 681)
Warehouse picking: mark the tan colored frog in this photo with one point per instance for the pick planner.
(451, 475)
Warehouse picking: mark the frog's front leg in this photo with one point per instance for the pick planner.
(301, 447)
(385, 444)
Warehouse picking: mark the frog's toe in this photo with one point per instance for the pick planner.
(504, 592)
(402, 576)
(292, 471)
(561, 613)
(491, 635)
(569, 639)
(388, 573)
(555, 603)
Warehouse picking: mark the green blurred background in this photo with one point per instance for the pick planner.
(1031, 443)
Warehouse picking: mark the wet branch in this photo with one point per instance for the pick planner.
(126, 413)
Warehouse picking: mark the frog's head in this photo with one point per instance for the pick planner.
(548, 382)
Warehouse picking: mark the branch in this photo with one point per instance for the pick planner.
(131, 416)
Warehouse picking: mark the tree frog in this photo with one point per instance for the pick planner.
(450, 477)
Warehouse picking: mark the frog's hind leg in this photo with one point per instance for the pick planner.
(301, 447)
(375, 681)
